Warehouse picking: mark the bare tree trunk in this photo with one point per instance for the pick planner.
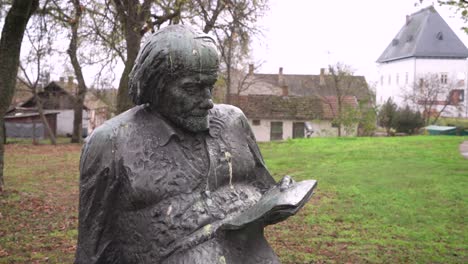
(40, 110)
(133, 40)
(132, 16)
(340, 113)
(34, 139)
(2, 151)
(439, 113)
(4, 136)
(77, 121)
(10, 47)
(79, 97)
(123, 100)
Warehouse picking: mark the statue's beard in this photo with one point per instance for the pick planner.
(191, 123)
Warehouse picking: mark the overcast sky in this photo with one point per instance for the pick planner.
(304, 35)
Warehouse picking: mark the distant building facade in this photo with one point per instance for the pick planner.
(273, 117)
(59, 96)
(424, 46)
(27, 123)
(281, 106)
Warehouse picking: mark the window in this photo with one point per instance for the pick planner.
(457, 96)
(256, 122)
(443, 78)
(276, 132)
(397, 78)
(298, 129)
(389, 79)
(406, 78)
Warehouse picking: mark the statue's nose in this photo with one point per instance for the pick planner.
(207, 104)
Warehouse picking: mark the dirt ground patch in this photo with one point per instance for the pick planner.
(39, 207)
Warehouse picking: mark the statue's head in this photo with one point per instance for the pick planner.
(174, 73)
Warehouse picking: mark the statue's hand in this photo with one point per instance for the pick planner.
(286, 182)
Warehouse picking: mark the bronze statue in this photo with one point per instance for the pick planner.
(178, 179)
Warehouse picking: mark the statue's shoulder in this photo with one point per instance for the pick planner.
(227, 112)
(225, 118)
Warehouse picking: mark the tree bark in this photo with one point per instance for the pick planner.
(2, 151)
(40, 110)
(34, 139)
(10, 47)
(123, 100)
(3, 126)
(79, 97)
(132, 20)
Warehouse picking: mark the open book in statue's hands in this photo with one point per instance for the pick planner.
(277, 204)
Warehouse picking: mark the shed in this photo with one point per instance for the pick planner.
(27, 123)
(441, 130)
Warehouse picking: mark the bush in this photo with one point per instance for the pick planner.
(387, 114)
(451, 121)
(407, 120)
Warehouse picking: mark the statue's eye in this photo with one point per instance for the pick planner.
(191, 88)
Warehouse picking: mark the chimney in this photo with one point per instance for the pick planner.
(322, 76)
(280, 77)
(70, 85)
(70, 80)
(62, 79)
(408, 19)
(251, 69)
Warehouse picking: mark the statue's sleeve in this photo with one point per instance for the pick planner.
(262, 174)
(98, 187)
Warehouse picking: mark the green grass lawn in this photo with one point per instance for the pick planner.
(379, 200)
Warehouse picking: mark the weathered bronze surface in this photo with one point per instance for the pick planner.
(178, 179)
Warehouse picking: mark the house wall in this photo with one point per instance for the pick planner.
(386, 89)
(456, 69)
(321, 128)
(23, 126)
(324, 128)
(65, 122)
(96, 118)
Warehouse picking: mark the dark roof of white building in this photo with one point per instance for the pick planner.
(425, 34)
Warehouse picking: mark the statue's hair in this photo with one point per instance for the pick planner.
(170, 53)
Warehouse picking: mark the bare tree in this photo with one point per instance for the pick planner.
(432, 94)
(339, 84)
(120, 26)
(246, 78)
(72, 52)
(233, 24)
(10, 47)
(71, 17)
(32, 66)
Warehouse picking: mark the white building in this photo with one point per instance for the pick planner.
(282, 106)
(60, 96)
(274, 117)
(425, 46)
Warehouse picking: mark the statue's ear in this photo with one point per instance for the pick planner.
(138, 92)
(135, 92)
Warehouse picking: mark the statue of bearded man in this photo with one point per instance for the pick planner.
(163, 181)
